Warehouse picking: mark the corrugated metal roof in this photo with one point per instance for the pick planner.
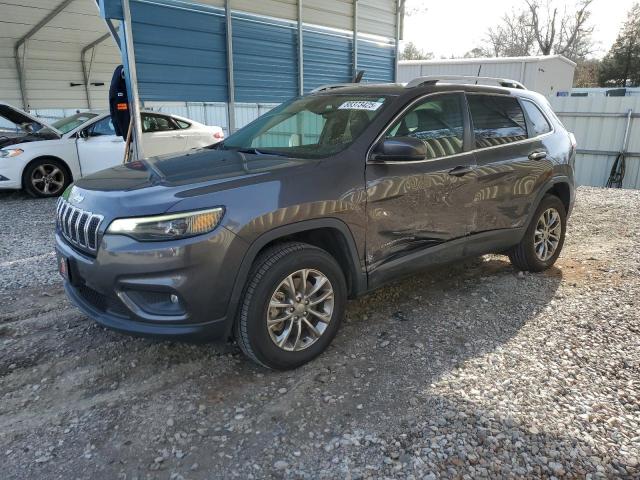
(53, 54)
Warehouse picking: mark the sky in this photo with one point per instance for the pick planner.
(453, 27)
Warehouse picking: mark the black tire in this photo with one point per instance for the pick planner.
(268, 271)
(523, 255)
(60, 178)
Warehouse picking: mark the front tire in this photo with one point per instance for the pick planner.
(292, 306)
(542, 242)
(45, 178)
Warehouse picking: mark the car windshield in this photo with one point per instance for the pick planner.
(308, 127)
(66, 124)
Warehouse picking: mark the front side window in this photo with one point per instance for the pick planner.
(497, 120)
(103, 127)
(315, 126)
(437, 121)
(156, 123)
(539, 123)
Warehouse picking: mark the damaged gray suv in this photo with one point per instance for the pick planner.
(264, 237)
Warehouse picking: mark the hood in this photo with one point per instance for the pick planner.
(25, 127)
(154, 185)
(7, 139)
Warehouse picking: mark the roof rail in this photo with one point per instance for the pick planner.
(433, 79)
(331, 86)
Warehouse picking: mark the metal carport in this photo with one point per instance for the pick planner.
(55, 55)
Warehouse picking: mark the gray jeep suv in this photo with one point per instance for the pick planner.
(265, 236)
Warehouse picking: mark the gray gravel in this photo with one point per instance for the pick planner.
(472, 371)
(27, 255)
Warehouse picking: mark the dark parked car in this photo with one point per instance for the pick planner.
(265, 236)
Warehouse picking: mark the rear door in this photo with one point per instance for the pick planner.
(511, 161)
(101, 148)
(161, 135)
(414, 205)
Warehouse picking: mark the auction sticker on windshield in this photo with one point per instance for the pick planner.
(360, 105)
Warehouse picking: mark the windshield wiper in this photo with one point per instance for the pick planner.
(255, 151)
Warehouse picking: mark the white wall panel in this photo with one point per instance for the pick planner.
(601, 133)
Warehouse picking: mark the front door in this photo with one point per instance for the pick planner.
(413, 206)
(100, 147)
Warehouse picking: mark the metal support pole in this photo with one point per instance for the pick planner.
(134, 100)
(399, 19)
(113, 31)
(23, 42)
(231, 105)
(300, 51)
(625, 141)
(355, 39)
(86, 75)
(21, 82)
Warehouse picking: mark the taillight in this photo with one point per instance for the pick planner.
(572, 153)
(218, 135)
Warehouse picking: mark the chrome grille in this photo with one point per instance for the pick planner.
(78, 226)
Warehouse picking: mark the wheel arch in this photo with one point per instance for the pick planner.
(64, 164)
(330, 234)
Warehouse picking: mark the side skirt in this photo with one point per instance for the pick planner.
(493, 241)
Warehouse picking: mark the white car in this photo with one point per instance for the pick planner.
(43, 159)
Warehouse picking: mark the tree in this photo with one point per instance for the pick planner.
(514, 37)
(587, 74)
(476, 53)
(621, 66)
(543, 29)
(562, 33)
(412, 52)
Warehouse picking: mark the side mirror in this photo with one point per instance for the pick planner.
(400, 149)
(83, 133)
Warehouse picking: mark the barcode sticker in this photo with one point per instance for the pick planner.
(360, 105)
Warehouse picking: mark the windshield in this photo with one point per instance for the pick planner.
(65, 125)
(308, 127)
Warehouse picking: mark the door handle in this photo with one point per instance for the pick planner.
(119, 140)
(540, 155)
(178, 136)
(460, 170)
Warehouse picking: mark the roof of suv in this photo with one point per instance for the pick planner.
(401, 89)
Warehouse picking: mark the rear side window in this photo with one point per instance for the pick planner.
(437, 121)
(497, 120)
(156, 123)
(539, 123)
(182, 123)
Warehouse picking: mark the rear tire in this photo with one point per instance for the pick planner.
(292, 306)
(45, 178)
(542, 242)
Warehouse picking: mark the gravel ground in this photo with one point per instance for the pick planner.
(471, 371)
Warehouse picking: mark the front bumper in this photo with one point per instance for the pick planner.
(11, 173)
(130, 286)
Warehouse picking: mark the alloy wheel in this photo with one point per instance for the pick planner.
(300, 310)
(47, 179)
(547, 234)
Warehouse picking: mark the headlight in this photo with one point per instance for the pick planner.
(168, 227)
(10, 152)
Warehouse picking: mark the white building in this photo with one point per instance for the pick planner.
(545, 74)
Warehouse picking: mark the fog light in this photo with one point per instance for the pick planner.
(174, 299)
